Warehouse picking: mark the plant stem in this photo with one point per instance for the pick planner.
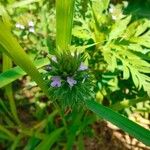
(7, 64)
(32, 132)
(127, 103)
(11, 135)
(64, 21)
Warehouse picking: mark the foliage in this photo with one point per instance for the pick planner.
(100, 57)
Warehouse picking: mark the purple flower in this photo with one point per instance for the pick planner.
(82, 67)
(56, 81)
(71, 81)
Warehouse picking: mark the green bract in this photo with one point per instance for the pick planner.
(69, 79)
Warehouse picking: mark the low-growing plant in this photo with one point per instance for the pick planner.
(100, 64)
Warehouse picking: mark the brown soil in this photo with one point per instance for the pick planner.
(109, 137)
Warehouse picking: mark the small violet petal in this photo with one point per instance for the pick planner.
(56, 78)
(71, 81)
(82, 67)
(56, 81)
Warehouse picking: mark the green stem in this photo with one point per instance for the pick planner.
(23, 3)
(41, 125)
(16, 142)
(7, 64)
(64, 21)
(127, 103)
(32, 132)
(11, 135)
(61, 112)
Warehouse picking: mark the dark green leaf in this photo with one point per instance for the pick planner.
(122, 122)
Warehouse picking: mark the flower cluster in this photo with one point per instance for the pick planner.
(69, 78)
(116, 11)
(30, 26)
(56, 80)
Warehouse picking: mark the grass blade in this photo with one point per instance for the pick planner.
(16, 142)
(49, 140)
(122, 122)
(7, 64)
(16, 72)
(7, 132)
(81, 143)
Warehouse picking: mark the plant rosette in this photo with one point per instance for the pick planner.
(69, 79)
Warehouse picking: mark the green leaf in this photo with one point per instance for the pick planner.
(141, 34)
(100, 6)
(49, 140)
(32, 142)
(5, 17)
(143, 25)
(126, 72)
(16, 72)
(16, 142)
(122, 122)
(133, 65)
(3, 136)
(118, 28)
(105, 4)
(4, 108)
(23, 3)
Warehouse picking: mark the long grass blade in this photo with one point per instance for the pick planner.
(49, 140)
(122, 122)
(7, 64)
(7, 132)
